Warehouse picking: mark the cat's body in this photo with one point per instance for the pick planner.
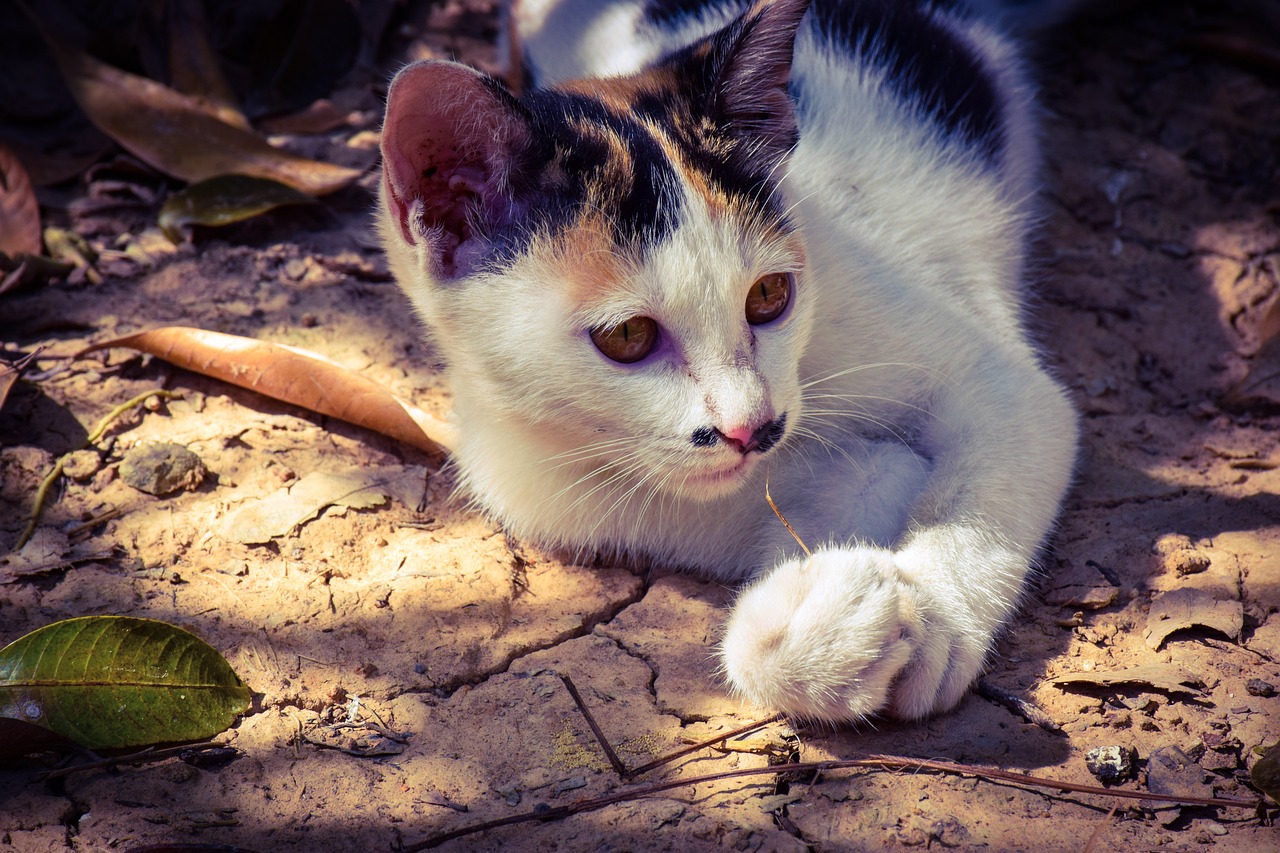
(874, 225)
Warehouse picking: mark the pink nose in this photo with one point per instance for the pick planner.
(740, 436)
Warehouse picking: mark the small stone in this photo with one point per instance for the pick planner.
(1216, 829)
(80, 465)
(1258, 687)
(1110, 763)
(1187, 562)
(568, 785)
(162, 468)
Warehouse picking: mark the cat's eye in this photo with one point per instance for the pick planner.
(768, 298)
(627, 342)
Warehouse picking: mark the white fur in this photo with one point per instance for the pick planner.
(927, 449)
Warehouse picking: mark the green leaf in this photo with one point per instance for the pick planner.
(224, 200)
(115, 681)
(1265, 774)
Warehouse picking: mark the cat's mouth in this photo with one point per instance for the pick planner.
(720, 481)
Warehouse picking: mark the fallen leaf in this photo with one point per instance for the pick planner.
(1171, 771)
(115, 681)
(19, 738)
(224, 200)
(181, 136)
(1164, 677)
(260, 521)
(11, 371)
(1265, 774)
(1190, 608)
(321, 117)
(194, 69)
(294, 376)
(19, 210)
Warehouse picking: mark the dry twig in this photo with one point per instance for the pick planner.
(876, 762)
(614, 760)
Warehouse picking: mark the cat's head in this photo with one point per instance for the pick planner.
(609, 267)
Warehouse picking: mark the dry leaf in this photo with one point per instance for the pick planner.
(180, 135)
(260, 521)
(224, 200)
(193, 65)
(19, 211)
(1164, 677)
(1189, 608)
(10, 372)
(294, 376)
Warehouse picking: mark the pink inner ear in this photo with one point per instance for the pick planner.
(445, 139)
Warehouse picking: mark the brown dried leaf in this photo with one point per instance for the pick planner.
(1189, 608)
(193, 65)
(19, 211)
(1164, 677)
(259, 521)
(10, 372)
(294, 376)
(180, 135)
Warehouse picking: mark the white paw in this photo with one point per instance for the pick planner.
(843, 635)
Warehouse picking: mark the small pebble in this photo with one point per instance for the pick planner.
(1110, 763)
(162, 468)
(1258, 687)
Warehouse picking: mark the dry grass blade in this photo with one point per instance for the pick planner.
(773, 506)
(294, 376)
(19, 211)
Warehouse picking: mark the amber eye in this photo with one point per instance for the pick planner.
(627, 342)
(768, 298)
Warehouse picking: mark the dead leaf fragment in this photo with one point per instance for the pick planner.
(1164, 677)
(180, 135)
(19, 210)
(1171, 771)
(194, 67)
(294, 376)
(224, 200)
(1190, 608)
(258, 522)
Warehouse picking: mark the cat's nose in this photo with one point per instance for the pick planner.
(747, 438)
(742, 438)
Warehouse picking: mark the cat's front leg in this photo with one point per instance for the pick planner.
(850, 632)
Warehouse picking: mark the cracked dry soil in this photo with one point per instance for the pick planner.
(1159, 261)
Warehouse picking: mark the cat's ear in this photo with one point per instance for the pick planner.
(751, 62)
(451, 140)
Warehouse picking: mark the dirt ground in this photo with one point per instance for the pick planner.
(414, 616)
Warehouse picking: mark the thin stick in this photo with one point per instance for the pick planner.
(881, 762)
(1029, 712)
(146, 756)
(52, 477)
(681, 753)
(618, 766)
(1097, 832)
(783, 519)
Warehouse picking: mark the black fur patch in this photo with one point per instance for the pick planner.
(710, 145)
(670, 11)
(923, 61)
(643, 209)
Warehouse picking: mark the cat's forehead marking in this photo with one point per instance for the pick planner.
(709, 163)
(606, 161)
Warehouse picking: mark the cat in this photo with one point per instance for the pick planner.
(723, 246)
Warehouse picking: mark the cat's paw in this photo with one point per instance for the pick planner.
(843, 635)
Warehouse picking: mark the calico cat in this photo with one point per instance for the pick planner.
(719, 246)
